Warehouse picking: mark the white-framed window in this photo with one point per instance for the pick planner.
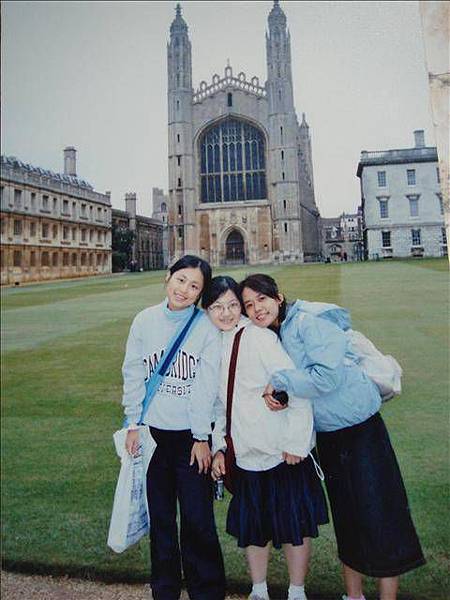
(33, 201)
(65, 233)
(17, 227)
(44, 202)
(438, 175)
(17, 198)
(413, 206)
(386, 239)
(45, 230)
(444, 235)
(384, 208)
(32, 229)
(411, 176)
(415, 237)
(17, 258)
(381, 178)
(441, 203)
(66, 207)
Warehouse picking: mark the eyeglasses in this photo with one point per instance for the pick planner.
(221, 308)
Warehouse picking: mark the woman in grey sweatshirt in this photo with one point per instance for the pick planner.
(179, 416)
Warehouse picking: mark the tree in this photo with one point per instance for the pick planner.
(122, 247)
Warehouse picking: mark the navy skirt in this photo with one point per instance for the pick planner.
(374, 531)
(282, 505)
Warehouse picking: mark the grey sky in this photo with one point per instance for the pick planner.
(93, 75)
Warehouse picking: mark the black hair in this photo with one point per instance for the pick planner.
(189, 261)
(220, 285)
(264, 284)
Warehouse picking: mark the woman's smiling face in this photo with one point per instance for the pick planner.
(225, 312)
(184, 287)
(262, 310)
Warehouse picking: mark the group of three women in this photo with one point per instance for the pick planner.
(278, 498)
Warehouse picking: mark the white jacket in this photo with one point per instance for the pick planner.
(260, 435)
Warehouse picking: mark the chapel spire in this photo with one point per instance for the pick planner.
(179, 53)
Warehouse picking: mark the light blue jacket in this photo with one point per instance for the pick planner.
(341, 393)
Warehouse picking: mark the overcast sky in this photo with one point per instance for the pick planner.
(93, 75)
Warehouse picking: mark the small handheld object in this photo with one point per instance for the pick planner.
(218, 489)
(281, 396)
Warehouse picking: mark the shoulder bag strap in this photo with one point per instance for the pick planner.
(231, 375)
(172, 348)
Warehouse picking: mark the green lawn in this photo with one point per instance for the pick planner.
(62, 349)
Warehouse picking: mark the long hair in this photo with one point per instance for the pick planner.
(264, 284)
(189, 261)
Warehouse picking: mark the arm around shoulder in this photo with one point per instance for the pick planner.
(322, 347)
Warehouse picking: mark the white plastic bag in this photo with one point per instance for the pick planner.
(382, 369)
(130, 519)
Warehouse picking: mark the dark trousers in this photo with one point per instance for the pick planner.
(171, 478)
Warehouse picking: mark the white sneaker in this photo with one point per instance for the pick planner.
(255, 597)
(302, 597)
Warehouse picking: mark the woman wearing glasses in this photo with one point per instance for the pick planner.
(278, 496)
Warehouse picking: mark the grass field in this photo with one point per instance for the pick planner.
(62, 349)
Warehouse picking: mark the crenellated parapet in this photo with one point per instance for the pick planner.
(238, 82)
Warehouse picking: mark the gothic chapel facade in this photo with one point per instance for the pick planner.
(241, 187)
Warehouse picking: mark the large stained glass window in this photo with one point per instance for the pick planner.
(232, 163)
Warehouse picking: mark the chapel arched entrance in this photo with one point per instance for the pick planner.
(234, 248)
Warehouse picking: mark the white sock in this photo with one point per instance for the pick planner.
(297, 592)
(260, 589)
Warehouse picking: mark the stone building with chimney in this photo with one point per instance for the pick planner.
(342, 237)
(402, 202)
(53, 225)
(241, 185)
(147, 247)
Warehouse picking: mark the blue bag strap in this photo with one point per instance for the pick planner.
(155, 380)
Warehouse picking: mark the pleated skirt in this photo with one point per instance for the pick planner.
(282, 505)
(374, 530)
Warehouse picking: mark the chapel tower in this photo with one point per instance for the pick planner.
(240, 165)
(283, 129)
(181, 185)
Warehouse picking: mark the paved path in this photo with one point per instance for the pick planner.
(15, 586)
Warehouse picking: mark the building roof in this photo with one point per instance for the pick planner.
(397, 156)
(14, 163)
(117, 213)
